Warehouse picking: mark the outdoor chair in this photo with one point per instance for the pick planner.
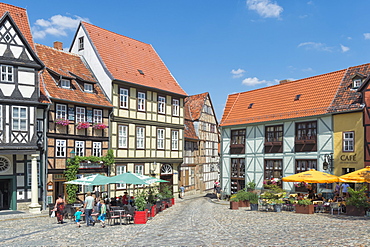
(335, 206)
(129, 213)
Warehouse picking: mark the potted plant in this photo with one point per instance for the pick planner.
(356, 203)
(253, 200)
(274, 195)
(61, 122)
(243, 197)
(99, 126)
(304, 206)
(251, 186)
(234, 202)
(141, 213)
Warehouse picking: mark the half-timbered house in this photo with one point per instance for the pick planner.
(22, 113)
(78, 118)
(147, 133)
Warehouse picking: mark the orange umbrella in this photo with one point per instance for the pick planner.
(359, 176)
(312, 176)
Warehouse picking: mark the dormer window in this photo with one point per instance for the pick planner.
(65, 83)
(88, 87)
(80, 43)
(356, 83)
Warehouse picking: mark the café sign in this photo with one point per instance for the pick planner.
(91, 165)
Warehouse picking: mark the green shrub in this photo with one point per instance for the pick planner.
(304, 202)
(357, 198)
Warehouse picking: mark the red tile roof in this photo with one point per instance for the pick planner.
(60, 63)
(189, 131)
(123, 57)
(194, 105)
(19, 15)
(278, 102)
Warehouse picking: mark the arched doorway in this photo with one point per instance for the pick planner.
(167, 174)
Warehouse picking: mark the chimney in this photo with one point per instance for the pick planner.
(284, 81)
(58, 45)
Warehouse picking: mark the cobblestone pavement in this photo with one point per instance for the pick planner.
(194, 221)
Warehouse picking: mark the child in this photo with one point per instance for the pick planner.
(103, 212)
(78, 216)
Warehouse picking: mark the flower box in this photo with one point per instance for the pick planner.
(83, 125)
(141, 217)
(63, 122)
(355, 211)
(304, 209)
(234, 205)
(173, 200)
(100, 126)
(244, 204)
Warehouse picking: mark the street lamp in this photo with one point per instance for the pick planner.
(153, 168)
(328, 162)
(73, 154)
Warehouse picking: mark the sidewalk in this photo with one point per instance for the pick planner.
(13, 215)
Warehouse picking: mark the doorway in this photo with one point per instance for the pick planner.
(5, 194)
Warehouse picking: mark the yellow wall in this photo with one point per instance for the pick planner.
(348, 122)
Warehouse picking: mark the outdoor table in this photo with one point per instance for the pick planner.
(120, 211)
(319, 206)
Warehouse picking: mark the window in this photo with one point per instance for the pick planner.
(80, 43)
(237, 145)
(306, 131)
(80, 148)
(140, 101)
(19, 118)
(96, 149)
(122, 136)
(65, 83)
(7, 73)
(274, 133)
(175, 107)
(98, 116)
(140, 137)
(161, 104)
(348, 141)
(88, 87)
(123, 97)
(160, 138)
(305, 165)
(61, 111)
(29, 173)
(237, 175)
(60, 148)
(120, 170)
(80, 114)
(273, 170)
(175, 140)
(139, 169)
(357, 83)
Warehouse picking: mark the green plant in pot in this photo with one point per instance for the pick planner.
(140, 202)
(251, 186)
(304, 202)
(304, 206)
(357, 202)
(253, 200)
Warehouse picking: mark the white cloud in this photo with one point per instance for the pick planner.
(57, 25)
(315, 46)
(237, 73)
(367, 35)
(344, 48)
(252, 81)
(265, 8)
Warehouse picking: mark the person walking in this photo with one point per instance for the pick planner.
(218, 192)
(89, 205)
(78, 216)
(59, 208)
(182, 191)
(103, 213)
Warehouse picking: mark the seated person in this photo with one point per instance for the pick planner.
(319, 197)
(113, 201)
(300, 196)
(337, 198)
(125, 199)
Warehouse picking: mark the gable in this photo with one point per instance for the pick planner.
(14, 48)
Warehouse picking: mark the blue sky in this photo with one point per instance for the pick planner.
(222, 46)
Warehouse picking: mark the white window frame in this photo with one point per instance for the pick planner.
(96, 150)
(7, 73)
(161, 104)
(349, 141)
(121, 169)
(60, 148)
(64, 83)
(80, 114)
(160, 138)
(123, 98)
(174, 140)
(357, 83)
(88, 87)
(79, 148)
(19, 121)
(29, 173)
(61, 111)
(81, 43)
(98, 116)
(122, 136)
(139, 168)
(140, 137)
(175, 107)
(141, 101)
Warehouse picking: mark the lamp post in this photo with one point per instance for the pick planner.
(327, 165)
(73, 154)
